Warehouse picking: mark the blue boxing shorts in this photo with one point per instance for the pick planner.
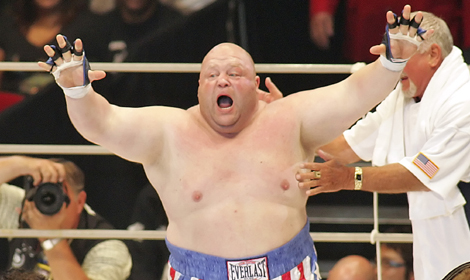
(296, 260)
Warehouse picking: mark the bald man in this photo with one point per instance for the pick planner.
(353, 267)
(225, 169)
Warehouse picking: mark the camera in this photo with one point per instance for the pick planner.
(48, 197)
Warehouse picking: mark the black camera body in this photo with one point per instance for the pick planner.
(48, 197)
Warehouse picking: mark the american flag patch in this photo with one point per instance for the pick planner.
(426, 165)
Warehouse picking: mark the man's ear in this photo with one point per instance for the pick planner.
(435, 55)
(257, 80)
(81, 199)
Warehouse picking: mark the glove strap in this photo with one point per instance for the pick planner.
(395, 66)
(77, 92)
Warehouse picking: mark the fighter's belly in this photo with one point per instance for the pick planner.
(235, 228)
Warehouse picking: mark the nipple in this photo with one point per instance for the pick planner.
(197, 196)
(285, 185)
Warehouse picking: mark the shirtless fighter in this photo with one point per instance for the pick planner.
(225, 169)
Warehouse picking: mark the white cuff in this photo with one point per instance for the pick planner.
(77, 92)
(393, 66)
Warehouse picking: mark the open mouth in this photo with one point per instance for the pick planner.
(224, 101)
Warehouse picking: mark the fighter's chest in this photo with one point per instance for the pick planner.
(280, 135)
(251, 152)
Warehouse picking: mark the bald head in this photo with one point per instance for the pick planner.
(352, 268)
(229, 51)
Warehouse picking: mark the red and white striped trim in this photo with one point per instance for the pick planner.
(302, 271)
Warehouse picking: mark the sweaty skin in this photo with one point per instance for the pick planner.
(225, 169)
(225, 174)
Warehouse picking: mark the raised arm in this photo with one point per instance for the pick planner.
(326, 112)
(124, 131)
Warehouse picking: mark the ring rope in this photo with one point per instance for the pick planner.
(195, 67)
(160, 235)
(53, 149)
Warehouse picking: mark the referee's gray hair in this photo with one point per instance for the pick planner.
(441, 35)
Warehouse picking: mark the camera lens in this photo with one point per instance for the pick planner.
(49, 198)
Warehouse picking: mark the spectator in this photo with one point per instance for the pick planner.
(352, 267)
(397, 258)
(132, 22)
(58, 257)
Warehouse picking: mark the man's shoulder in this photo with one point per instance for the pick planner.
(111, 257)
(11, 191)
(10, 198)
(193, 111)
(290, 103)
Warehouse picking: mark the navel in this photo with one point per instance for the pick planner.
(285, 185)
(197, 196)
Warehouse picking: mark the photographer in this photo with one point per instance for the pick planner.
(56, 258)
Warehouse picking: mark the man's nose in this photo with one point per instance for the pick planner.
(223, 81)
